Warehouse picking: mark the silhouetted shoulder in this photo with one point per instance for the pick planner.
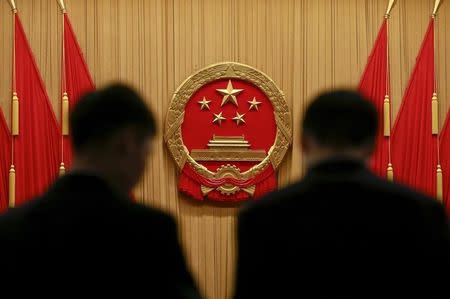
(269, 204)
(402, 192)
(142, 213)
(13, 219)
(365, 190)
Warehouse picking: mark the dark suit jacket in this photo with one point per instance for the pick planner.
(342, 232)
(85, 238)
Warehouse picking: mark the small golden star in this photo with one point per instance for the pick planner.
(254, 104)
(229, 94)
(239, 118)
(218, 118)
(204, 103)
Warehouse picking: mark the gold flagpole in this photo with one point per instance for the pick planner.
(15, 98)
(387, 101)
(65, 98)
(14, 116)
(434, 98)
(435, 111)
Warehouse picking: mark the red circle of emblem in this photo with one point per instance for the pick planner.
(212, 114)
(228, 129)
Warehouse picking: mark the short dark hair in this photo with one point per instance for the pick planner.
(101, 113)
(341, 119)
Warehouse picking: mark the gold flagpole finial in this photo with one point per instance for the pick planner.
(437, 4)
(15, 115)
(12, 187)
(387, 116)
(389, 8)
(390, 172)
(13, 5)
(65, 114)
(434, 114)
(62, 6)
(62, 169)
(439, 185)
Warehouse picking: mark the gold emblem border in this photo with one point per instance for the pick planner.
(227, 70)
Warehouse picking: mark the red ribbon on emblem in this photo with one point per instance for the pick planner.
(190, 183)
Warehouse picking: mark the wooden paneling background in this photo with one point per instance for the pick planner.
(304, 45)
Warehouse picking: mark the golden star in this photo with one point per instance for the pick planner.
(254, 104)
(239, 118)
(229, 94)
(204, 103)
(218, 118)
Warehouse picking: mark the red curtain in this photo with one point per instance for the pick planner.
(5, 162)
(374, 85)
(414, 148)
(445, 160)
(36, 146)
(76, 78)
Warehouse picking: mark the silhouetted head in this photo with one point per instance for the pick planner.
(111, 131)
(339, 123)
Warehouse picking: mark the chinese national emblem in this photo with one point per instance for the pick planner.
(228, 129)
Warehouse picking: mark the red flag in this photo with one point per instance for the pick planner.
(76, 78)
(414, 147)
(5, 162)
(374, 85)
(36, 146)
(445, 160)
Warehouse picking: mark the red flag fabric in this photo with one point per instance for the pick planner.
(414, 148)
(77, 79)
(445, 160)
(373, 85)
(36, 146)
(5, 162)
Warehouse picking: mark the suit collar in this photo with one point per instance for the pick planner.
(338, 166)
(79, 182)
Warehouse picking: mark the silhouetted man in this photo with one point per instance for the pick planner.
(85, 236)
(342, 232)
